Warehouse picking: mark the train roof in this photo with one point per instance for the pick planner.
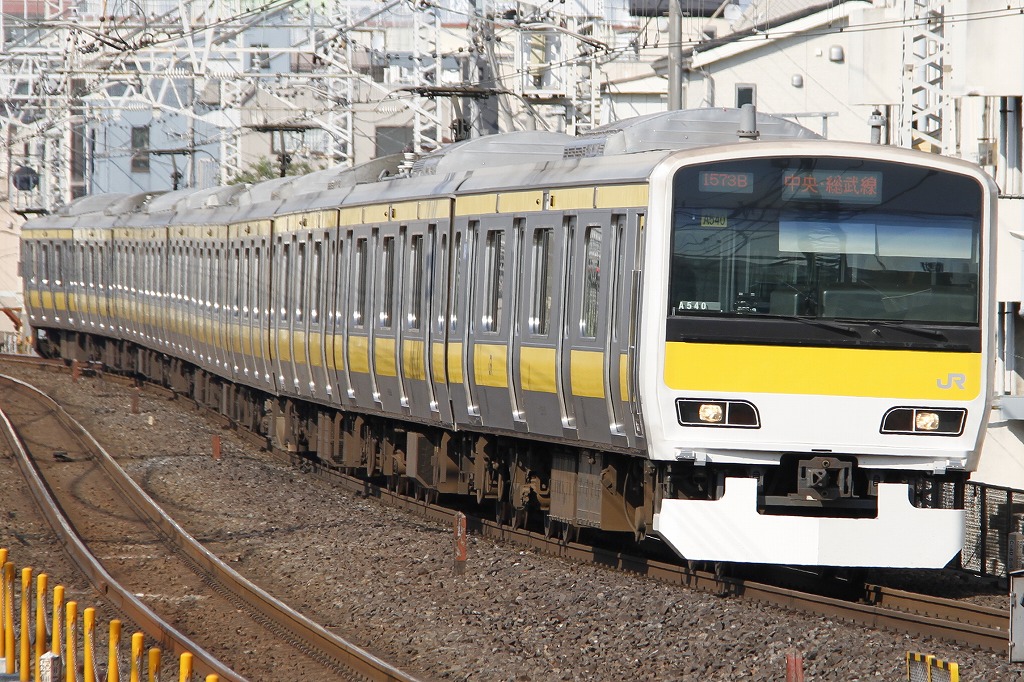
(678, 130)
(508, 149)
(505, 161)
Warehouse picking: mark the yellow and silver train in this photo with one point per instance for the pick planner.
(772, 350)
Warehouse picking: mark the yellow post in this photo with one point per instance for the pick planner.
(41, 581)
(25, 668)
(113, 673)
(88, 650)
(71, 641)
(212, 678)
(138, 639)
(185, 667)
(11, 654)
(3, 608)
(58, 611)
(154, 665)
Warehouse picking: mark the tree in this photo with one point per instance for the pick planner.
(267, 169)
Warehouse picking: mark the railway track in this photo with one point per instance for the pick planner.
(882, 607)
(96, 509)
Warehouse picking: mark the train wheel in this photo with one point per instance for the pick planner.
(518, 518)
(570, 532)
(550, 525)
(502, 512)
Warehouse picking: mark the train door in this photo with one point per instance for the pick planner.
(359, 320)
(328, 309)
(623, 283)
(416, 327)
(584, 357)
(283, 291)
(233, 306)
(438, 301)
(492, 314)
(263, 266)
(338, 273)
(300, 337)
(59, 281)
(539, 339)
(464, 407)
(387, 329)
(317, 322)
(243, 302)
(218, 320)
(189, 293)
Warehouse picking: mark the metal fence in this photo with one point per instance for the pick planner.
(993, 514)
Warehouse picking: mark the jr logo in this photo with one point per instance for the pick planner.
(952, 379)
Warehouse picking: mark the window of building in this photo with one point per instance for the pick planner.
(140, 149)
(746, 93)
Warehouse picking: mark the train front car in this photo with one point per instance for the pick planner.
(823, 366)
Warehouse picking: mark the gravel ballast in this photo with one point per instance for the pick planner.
(383, 578)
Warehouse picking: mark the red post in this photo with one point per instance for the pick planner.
(460, 543)
(135, 400)
(76, 371)
(216, 448)
(794, 667)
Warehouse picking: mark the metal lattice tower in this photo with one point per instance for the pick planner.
(79, 78)
(428, 130)
(926, 117)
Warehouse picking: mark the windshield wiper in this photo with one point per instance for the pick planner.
(815, 322)
(908, 328)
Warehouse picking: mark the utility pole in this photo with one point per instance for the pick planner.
(675, 55)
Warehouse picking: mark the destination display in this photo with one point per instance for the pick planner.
(717, 181)
(848, 186)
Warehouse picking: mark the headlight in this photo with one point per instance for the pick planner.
(724, 413)
(924, 421)
(711, 413)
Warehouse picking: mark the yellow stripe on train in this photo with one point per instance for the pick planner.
(861, 372)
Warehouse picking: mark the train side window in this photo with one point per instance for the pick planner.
(494, 275)
(453, 320)
(387, 300)
(301, 279)
(44, 263)
(243, 280)
(316, 283)
(57, 277)
(619, 223)
(256, 295)
(341, 273)
(284, 291)
(543, 272)
(591, 283)
(29, 268)
(234, 290)
(415, 285)
(359, 275)
(88, 268)
(218, 280)
(442, 259)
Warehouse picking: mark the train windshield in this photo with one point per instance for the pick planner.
(826, 238)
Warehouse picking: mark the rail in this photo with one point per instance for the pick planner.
(310, 634)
